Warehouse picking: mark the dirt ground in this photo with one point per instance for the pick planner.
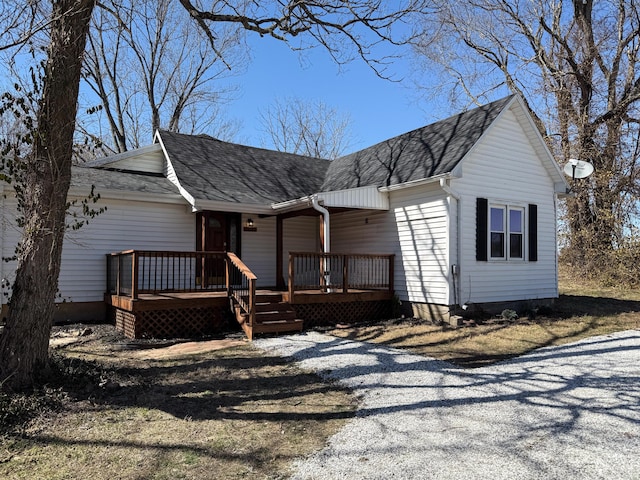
(65, 335)
(142, 409)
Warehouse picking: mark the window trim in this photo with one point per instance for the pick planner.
(507, 208)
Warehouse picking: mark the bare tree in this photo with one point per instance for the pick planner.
(150, 69)
(306, 127)
(577, 63)
(344, 29)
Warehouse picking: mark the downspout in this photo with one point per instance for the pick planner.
(455, 268)
(326, 247)
(325, 214)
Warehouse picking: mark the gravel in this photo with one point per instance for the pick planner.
(568, 412)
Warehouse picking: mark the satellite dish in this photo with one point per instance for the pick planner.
(578, 168)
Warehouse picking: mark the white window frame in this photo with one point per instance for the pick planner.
(506, 230)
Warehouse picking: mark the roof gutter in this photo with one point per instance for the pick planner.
(417, 183)
(289, 205)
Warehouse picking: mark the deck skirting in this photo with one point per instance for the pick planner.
(332, 313)
(193, 315)
(181, 322)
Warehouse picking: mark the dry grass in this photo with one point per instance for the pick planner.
(581, 311)
(231, 413)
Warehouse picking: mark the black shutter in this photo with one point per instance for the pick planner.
(533, 233)
(481, 229)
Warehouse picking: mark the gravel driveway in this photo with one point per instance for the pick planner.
(568, 412)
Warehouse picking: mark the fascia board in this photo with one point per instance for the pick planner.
(183, 191)
(253, 208)
(128, 195)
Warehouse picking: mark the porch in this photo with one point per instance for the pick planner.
(189, 294)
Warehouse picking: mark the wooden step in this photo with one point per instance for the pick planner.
(273, 307)
(272, 316)
(268, 297)
(294, 325)
(266, 317)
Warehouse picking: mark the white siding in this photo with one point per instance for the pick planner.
(360, 197)
(259, 249)
(301, 234)
(151, 163)
(124, 226)
(415, 230)
(504, 168)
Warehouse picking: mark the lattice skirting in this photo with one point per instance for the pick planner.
(178, 323)
(325, 314)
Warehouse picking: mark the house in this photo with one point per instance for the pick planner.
(459, 212)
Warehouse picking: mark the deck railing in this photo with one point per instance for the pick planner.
(241, 286)
(339, 272)
(133, 272)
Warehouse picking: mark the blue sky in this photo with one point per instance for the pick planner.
(379, 109)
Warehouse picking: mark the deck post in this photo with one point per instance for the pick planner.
(227, 278)
(134, 275)
(345, 273)
(391, 272)
(279, 249)
(252, 301)
(203, 266)
(291, 277)
(119, 257)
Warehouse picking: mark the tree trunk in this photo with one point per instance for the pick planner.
(25, 341)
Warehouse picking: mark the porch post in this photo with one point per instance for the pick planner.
(279, 253)
(134, 275)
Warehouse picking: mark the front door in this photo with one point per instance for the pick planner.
(211, 237)
(214, 232)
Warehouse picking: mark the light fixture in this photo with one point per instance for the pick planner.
(249, 222)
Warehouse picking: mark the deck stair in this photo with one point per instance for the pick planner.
(273, 315)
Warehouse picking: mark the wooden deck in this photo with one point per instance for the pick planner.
(166, 300)
(171, 294)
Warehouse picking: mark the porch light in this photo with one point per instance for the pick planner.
(249, 222)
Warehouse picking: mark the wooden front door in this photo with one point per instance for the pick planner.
(214, 232)
(211, 237)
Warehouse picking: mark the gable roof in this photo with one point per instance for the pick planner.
(211, 174)
(427, 152)
(210, 169)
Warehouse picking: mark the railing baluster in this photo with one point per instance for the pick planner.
(322, 271)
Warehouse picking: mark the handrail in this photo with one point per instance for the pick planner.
(133, 272)
(340, 272)
(241, 286)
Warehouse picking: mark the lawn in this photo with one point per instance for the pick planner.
(128, 411)
(583, 310)
(148, 410)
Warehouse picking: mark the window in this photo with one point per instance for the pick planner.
(500, 231)
(506, 235)
(516, 233)
(497, 234)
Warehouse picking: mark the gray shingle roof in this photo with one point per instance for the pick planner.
(124, 181)
(423, 153)
(211, 169)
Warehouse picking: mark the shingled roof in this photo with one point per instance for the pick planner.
(210, 169)
(423, 153)
(122, 181)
